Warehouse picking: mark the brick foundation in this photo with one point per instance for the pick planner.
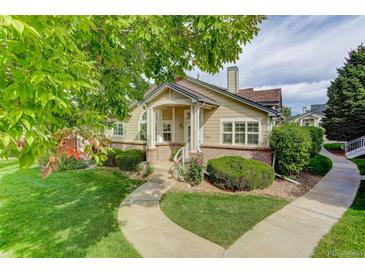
(261, 154)
(162, 152)
(126, 145)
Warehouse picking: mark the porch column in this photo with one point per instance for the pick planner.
(151, 134)
(194, 120)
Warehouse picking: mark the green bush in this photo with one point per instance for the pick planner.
(195, 174)
(333, 146)
(292, 145)
(128, 160)
(319, 165)
(71, 163)
(316, 135)
(238, 173)
(112, 153)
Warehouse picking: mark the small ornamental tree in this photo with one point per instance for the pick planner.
(292, 145)
(345, 113)
(66, 75)
(316, 135)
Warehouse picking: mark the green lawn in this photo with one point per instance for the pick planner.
(220, 218)
(69, 214)
(6, 163)
(360, 164)
(347, 236)
(319, 165)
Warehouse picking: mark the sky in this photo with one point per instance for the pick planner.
(298, 54)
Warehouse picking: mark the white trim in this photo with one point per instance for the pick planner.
(222, 120)
(173, 124)
(123, 130)
(185, 102)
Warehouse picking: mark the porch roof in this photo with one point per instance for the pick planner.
(194, 95)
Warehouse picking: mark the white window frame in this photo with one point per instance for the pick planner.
(233, 120)
(168, 122)
(115, 125)
(142, 122)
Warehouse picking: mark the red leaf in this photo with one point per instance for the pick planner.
(46, 171)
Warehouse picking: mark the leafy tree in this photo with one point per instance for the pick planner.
(65, 75)
(345, 113)
(285, 113)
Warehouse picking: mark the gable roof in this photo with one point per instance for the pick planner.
(183, 91)
(265, 97)
(237, 97)
(309, 113)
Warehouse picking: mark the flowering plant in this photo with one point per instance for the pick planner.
(196, 172)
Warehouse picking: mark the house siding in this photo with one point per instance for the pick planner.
(229, 108)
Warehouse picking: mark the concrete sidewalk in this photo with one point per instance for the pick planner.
(296, 229)
(151, 232)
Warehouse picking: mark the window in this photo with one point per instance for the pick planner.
(166, 132)
(142, 125)
(252, 133)
(118, 129)
(240, 132)
(227, 133)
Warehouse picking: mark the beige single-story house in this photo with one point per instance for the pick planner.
(201, 118)
(312, 117)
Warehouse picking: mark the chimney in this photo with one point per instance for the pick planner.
(232, 79)
(304, 110)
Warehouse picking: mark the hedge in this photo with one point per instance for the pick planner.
(238, 173)
(316, 135)
(112, 153)
(292, 147)
(128, 160)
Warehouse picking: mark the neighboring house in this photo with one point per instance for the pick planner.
(312, 117)
(201, 117)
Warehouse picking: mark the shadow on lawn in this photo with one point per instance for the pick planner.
(62, 216)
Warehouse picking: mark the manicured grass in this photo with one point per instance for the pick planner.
(360, 164)
(220, 218)
(333, 146)
(69, 214)
(319, 165)
(347, 237)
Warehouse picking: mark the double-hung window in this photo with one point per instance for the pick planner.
(166, 131)
(118, 129)
(240, 132)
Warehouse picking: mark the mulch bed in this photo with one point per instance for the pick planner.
(279, 189)
(338, 152)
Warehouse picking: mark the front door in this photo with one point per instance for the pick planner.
(187, 131)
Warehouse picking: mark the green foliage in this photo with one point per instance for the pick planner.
(238, 173)
(112, 153)
(319, 165)
(74, 72)
(195, 174)
(333, 146)
(360, 164)
(71, 163)
(346, 104)
(70, 214)
(220, 218)
(128, 160)
(316, 135)
(149, 169)
(292, 145)
(285, 113)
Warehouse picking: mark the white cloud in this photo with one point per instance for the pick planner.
(302, 94)
(297, 52)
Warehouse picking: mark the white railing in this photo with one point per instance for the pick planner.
(355, 147)
(179, 162)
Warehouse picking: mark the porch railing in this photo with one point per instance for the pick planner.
(355, 147)
(179, 162)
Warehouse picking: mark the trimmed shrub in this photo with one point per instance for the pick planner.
(128, 160)
(71, 163)
(292, 145)
(238, 173)
(319, 165)
(316, 135)
(112, 153)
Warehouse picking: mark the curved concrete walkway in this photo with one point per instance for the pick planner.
(293, 231)
(151, 232)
